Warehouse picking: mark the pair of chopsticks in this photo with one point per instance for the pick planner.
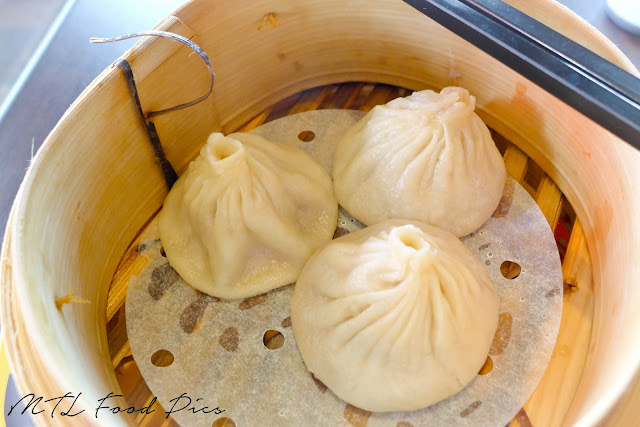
(590, 84)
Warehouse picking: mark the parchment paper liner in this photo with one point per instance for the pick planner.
(220, 358)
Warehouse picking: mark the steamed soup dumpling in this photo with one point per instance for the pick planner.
(427, 157)
(394, 317)
(246, 215)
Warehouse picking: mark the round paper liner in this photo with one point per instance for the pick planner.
(220, 360)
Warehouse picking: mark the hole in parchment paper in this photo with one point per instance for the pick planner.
(223, 422)
(162, 252)
(162, 358)
(487, 367)
(510, 269)
(273, 340)
(306, 136)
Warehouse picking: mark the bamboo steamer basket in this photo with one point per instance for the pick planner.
(95, 183)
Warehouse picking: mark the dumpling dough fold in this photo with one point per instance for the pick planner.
(427, 157)
(246, 215)
(394, 317)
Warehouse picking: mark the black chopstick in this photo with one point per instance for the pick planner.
(590, 84)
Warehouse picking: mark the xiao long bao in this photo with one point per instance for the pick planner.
(427, 157)
(394, 317)
(246, 215)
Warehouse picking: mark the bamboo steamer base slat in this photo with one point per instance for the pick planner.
(549, 403)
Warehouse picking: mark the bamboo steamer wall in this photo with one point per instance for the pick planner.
(95, 183)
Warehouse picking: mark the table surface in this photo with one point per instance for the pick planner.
(69, 63)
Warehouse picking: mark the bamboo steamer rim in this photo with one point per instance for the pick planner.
(15, 277)
(573, 27)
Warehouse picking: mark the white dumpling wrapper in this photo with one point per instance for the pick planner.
(427, 157)
(394, 317)
(246, 215)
